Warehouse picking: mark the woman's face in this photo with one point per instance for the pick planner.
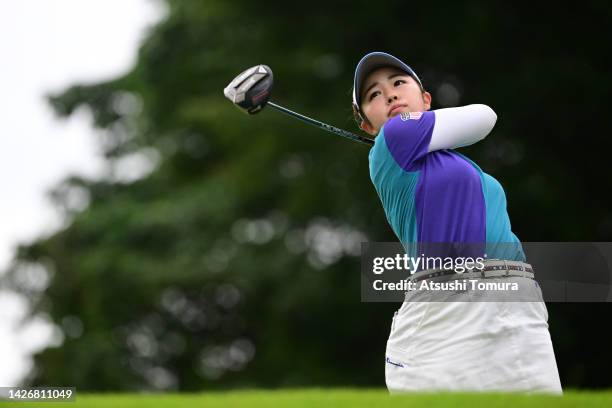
(387, 92)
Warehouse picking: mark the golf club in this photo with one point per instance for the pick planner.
(251, 90)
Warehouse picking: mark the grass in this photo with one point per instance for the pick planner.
(334, 397)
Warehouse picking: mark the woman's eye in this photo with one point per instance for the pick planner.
(399, 82)
(374, 94)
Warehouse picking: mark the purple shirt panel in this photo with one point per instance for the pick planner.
(449, 199)
(408, 136)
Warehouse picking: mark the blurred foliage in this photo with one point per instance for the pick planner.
(234, 262)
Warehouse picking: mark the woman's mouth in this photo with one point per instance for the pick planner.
(396, 109)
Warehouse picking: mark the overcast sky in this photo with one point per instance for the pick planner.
(46, 46)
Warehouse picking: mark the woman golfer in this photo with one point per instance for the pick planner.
(432, 194)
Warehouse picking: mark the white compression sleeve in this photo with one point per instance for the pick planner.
(463, 126)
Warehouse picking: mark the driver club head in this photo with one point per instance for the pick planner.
(251, 90)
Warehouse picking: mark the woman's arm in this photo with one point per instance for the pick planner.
(463, 126)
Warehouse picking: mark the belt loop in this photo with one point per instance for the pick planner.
(506, 268)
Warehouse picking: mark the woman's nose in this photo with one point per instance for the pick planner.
(391, 98)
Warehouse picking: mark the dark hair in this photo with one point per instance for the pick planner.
(357, 115)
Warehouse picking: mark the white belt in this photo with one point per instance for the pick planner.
(493, 268)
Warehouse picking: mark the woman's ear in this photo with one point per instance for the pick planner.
(367, 127)
(427, 100)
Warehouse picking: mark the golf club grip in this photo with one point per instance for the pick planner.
(324, 126)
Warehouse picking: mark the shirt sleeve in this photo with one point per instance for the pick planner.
(408, 136)
(462, 126)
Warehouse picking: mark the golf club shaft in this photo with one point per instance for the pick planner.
(324, 126)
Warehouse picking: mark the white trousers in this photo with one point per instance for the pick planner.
(472, 346)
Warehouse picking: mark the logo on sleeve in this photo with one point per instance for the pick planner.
(410, 115)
